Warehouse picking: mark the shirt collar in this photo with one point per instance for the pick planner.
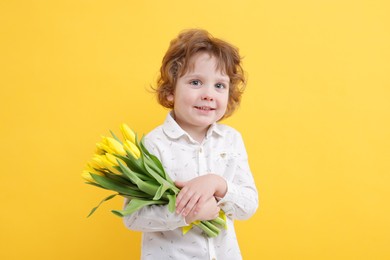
(174, 131)
(214, 129)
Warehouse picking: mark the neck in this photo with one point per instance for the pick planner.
(196, 133)
(197, 136)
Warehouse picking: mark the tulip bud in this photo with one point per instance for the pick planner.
(132, 148)
(92, 168)
(104, 140)
(113, 159)
(116, 146)
(110, 162)
(127, 133)
(97, 162)
(87, 176)
(102, 148)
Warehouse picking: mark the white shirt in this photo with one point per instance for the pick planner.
(222, 152)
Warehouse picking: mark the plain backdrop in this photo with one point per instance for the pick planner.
(315, 119)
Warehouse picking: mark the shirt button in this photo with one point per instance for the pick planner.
(214, 258)
(200, 150)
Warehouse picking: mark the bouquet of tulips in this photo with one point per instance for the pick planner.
(126, 167)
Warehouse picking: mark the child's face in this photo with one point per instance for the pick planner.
(201, 94)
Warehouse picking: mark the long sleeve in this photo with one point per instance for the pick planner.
(241, 199)
(153, 218)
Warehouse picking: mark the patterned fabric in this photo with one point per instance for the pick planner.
(222, 152)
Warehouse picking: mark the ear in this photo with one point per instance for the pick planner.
(170, 98)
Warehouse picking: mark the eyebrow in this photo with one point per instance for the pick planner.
(223, 79)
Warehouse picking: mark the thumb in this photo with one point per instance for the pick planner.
(180, 184)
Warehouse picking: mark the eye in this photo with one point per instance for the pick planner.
(220, 86)
(195, 82)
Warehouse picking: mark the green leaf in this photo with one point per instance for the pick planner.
(119, 178)
(117, 186)
(152, 164)
(160, 167)
(139, 175)
(171, 203)
(158, 177)
(136, 204)
(147, 187)
(160, 192)
(134, 164)
(142, 147)
(156, 161)
(95, 184)
(101, 202)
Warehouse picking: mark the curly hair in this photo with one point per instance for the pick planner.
(176, 63)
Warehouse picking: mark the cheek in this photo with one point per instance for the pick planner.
(224, 100)
(188, 97)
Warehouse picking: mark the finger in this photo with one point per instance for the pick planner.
(200, 204)
(181, 194)
(216, 213)
(182, 200)
(190, 205)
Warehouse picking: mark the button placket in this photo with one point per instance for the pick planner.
(212, 249)
(201, 161)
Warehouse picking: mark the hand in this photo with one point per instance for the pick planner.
(207, 211)
(197, 191)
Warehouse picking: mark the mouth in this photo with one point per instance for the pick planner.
(204, 108)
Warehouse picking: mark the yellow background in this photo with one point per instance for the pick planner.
(315, 119)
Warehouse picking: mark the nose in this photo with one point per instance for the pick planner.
(207, 94)
(207, 98)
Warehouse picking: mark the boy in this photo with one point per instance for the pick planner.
(201, 82)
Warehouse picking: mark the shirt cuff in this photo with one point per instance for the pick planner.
(226, 203)
(181, 220)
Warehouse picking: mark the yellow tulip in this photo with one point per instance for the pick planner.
(116, 146)
(109, 161)
(110, 145)
(87, 176)
(97, 162)
(92, 169)
(102, 148)
(104, 140)
(105, 162)
(113, 159)
(132, 148)
(127, 133)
